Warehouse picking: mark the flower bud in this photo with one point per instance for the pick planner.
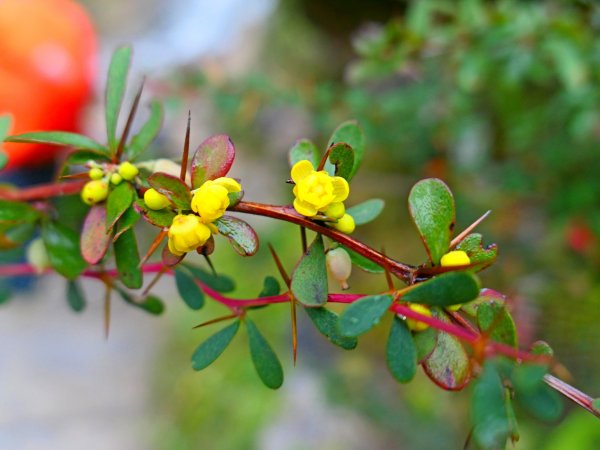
(115, 178)
(96, 173)
(455, 258)
(94, 191)
(155, 200)
(339, 265)
(37, 256)
(414, 324)
(128, 171)
(336, 210)
(345, 224)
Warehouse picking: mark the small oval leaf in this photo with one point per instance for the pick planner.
(75, 296)
(401, 353)
(362, 315)
(265, 360)
(188, 290)
(304, 149)
(220, 283)
(214, 346)
(212, 159)
(309, 280)
(326, 322)
(363, 263)
(366, 211)
(352, 134)
(450, 288)
(94, 239)
(242, 236)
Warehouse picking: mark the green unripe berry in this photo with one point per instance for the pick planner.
(128, 171)
(96, 173)
(115, 178)
(94, 191)
(155, 200)
(339, 265)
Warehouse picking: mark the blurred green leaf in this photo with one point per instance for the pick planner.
(352, 134)
(401, 353)
(304, 149)
(220, 283)
(173, 188)
(265, 360)
(496, 321)
(119, 200)
(161, 218)
(188, 290)
(450, 288)
(362, 315)
(129, 218)
(5, 122)
(5, 294)
(533, 394)
(75, 296)
(142, 140)
(341, 160)
(212, 159)
(214, 346)
(115, 89)
(326, 322)
(309, 280)
(13, 213)
(431, 206)
(81, 157)
(242, 236)
(541, 348)
(62, 245)
(270, 287)
(127, 258)
(59, 138)
(151, 304)
(366, 211)
(235, 198)
(94, 239)
(488, 410)
(363, 263)
(448, 366)
(425, 341)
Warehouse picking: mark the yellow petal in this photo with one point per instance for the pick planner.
(341, 189)
(304, 208)
(228, 183)
(301, 170)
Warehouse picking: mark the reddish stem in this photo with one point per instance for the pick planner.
(42, 191)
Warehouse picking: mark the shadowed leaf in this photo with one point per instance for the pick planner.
(214, 346)
(401, 353)
(128, 260)
(242, 236)
(13, 213)
(362, 315)
(451, 288)
(494, 319)
(188, 290)
(220, 283)
(341, 160)
(352, 134)
(270, 287)
(363, 263)
(326, 322)
(161, 218)
(425, 341)
(62, 246)
(304, 149)
(94, 239)
(75, 296)
(366, 211)
(309, 280)
(265, 360)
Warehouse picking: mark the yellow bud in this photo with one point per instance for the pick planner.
(115, 178)
(94, 191)
(95, 173)
(417, 325)
(335, 211)
(345, 224)
(37, 255)
(454, 308)
(155, 200)
(186, 234)
(455, 258)
(339, 265)
(128, 171)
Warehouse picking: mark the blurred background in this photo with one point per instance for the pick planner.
(501, 99)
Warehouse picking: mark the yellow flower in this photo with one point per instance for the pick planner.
(455, 258)
(316, 191)
(414, 324)
(187, 233)
(211, 199)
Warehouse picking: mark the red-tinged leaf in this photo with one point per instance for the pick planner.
(448, 366)
(171, 187)
(161, 218)
(212, 159)
(242, 236)
(94, 239)
(169, 259)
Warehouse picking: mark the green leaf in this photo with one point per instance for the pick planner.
(58, 138)
(270, 287)
(212, 159)
(5, 122)
(128, 260)
(366, 211)
(326, 322)
(491, 426)
(492, 314)
(362, 315)
(119, 200)
(188, 290)
(350, 133)
(341, 160)
(473, 246)
(242, 236)
(81, 157)
(14, 213)
(431, 206)
(161, 218)
(541, 348)
(363, 263)
(265, 360)
(214, 346)
(235, 198)
(425, 341)
(62, 245)
(304, 149)
(3, 159)
(94, 239)
(5, 294)
(448, 366)
(309, 280)
(534, 395)
(220, 283)
(173, 188)
(142, 140)
(596, 404)
(75, 296)
(401, 353)
(129, 218)
(115, 89)
(450, 288)
(151, 304)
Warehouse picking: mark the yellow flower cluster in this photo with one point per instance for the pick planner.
(209, 202)
(319, 194)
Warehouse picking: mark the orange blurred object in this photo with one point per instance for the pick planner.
(47, 66)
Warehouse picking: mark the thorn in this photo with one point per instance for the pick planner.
(186, 149)
(157, 277)
(282, 272)
(294, 327)
(210, 264)
(303, 237)
(324, 158)
(458, 239)
(130, 118)
(218, 319)
(157, 240)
